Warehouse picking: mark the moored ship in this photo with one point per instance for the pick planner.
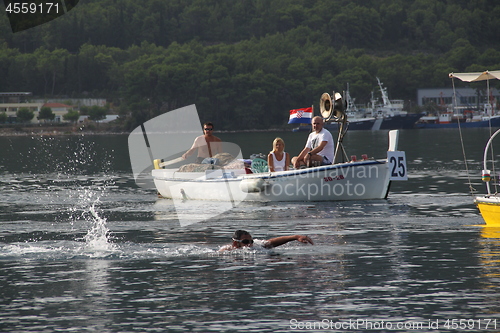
(388, 115)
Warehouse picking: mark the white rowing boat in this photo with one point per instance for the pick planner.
(198, 189)
(359, 180)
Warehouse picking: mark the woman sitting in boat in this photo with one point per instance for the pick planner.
(242, 239)
(278, 159)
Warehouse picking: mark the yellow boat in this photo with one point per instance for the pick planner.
(489, 204)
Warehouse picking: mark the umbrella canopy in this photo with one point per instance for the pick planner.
(479, 76)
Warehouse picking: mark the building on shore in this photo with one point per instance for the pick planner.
(467, 98)
(11, 102)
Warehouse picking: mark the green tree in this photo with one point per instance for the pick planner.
(72, 116)
(3, 118)
(84, 110)
(51, 64)
(7, 60)
(356, 25)
(97, 113)
(462, 55)
(245, 63)
(46, 114)
(24, 115)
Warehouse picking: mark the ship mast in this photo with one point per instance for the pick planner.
(385, 96)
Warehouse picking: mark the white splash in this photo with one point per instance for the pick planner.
(97, 238)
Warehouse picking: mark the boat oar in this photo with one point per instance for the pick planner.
(158, 164)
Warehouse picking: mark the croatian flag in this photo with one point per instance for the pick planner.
(301, 116)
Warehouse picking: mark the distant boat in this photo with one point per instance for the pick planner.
(386, 116)
(456, 115)
(391, 112)
(452, 120)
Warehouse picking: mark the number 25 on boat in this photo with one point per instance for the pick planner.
(397, 165)
(396, 159)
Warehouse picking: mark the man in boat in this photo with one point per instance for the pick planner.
(208, 144)
(319, 149)
(242, 238)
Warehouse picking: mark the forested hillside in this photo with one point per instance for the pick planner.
(245, 63)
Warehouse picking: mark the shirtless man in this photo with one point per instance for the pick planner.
(208, 144)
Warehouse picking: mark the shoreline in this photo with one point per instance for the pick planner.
(55, 132)
(66, 130)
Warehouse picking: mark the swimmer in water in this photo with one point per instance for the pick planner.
(242, 238)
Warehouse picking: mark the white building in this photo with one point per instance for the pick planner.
(466, 97)
(11, 102)
(58, 109)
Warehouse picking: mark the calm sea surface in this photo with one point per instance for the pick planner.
(84, 249)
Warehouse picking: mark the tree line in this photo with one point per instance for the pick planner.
(246, 63)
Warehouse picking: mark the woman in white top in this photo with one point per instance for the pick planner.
(278, 159)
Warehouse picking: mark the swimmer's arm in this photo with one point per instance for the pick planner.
(273, 242)
(228, 247)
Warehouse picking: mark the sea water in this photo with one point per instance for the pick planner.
(84, 249)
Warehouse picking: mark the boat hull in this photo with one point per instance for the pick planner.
(354, 125)
(347, 181)
(402, 121)
(489, 206)
(494, 122)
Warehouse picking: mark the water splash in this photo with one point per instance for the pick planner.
(69, 177)
(97, 238)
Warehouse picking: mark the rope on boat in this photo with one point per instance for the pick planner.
(472, 190)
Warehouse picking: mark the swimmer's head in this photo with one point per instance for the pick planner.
(242, 238)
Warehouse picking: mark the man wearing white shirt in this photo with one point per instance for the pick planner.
(319, 149)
